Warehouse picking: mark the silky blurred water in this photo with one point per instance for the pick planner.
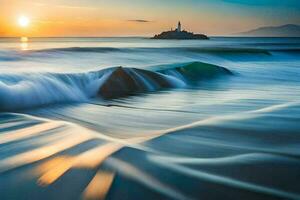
(226, 137)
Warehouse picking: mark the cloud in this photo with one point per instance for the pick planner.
(64, 6)
(139, 20)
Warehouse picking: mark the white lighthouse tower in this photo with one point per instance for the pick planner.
(179, 27)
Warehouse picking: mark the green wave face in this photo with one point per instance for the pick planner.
(197, 71)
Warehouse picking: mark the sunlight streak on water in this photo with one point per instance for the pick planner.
(99, 185)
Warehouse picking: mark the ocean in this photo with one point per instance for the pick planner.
(135, 118)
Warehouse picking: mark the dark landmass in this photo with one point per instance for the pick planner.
(182, 35)
(123, 82)
(288, 30)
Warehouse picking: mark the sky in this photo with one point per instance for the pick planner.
(59, 18)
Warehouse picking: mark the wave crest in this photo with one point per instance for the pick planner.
(19, 91)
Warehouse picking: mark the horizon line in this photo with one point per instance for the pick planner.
(140, 36)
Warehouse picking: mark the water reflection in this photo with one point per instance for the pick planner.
(99, 185)
(24, 43)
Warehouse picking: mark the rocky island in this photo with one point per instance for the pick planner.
(178, 34)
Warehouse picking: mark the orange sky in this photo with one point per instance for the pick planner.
(104, 18)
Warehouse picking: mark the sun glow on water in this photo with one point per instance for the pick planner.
(24, 43)
(24, 39)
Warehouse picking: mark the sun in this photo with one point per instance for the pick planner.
(23, 21)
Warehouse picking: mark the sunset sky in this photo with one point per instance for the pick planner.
(141, 17)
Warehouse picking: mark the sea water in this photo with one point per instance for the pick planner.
(196, 119)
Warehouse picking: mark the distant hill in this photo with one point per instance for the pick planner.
(288, 30)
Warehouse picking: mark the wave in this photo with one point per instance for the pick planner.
(19, 91)
(228, 50)
(196, 71)
(288, 50)
(211, 50)
(217, 51)
(16, 55)
(9, 56)
(79, 49)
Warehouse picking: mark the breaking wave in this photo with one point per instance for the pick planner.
(19, 91)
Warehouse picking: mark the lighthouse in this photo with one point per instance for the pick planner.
(179, 27)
